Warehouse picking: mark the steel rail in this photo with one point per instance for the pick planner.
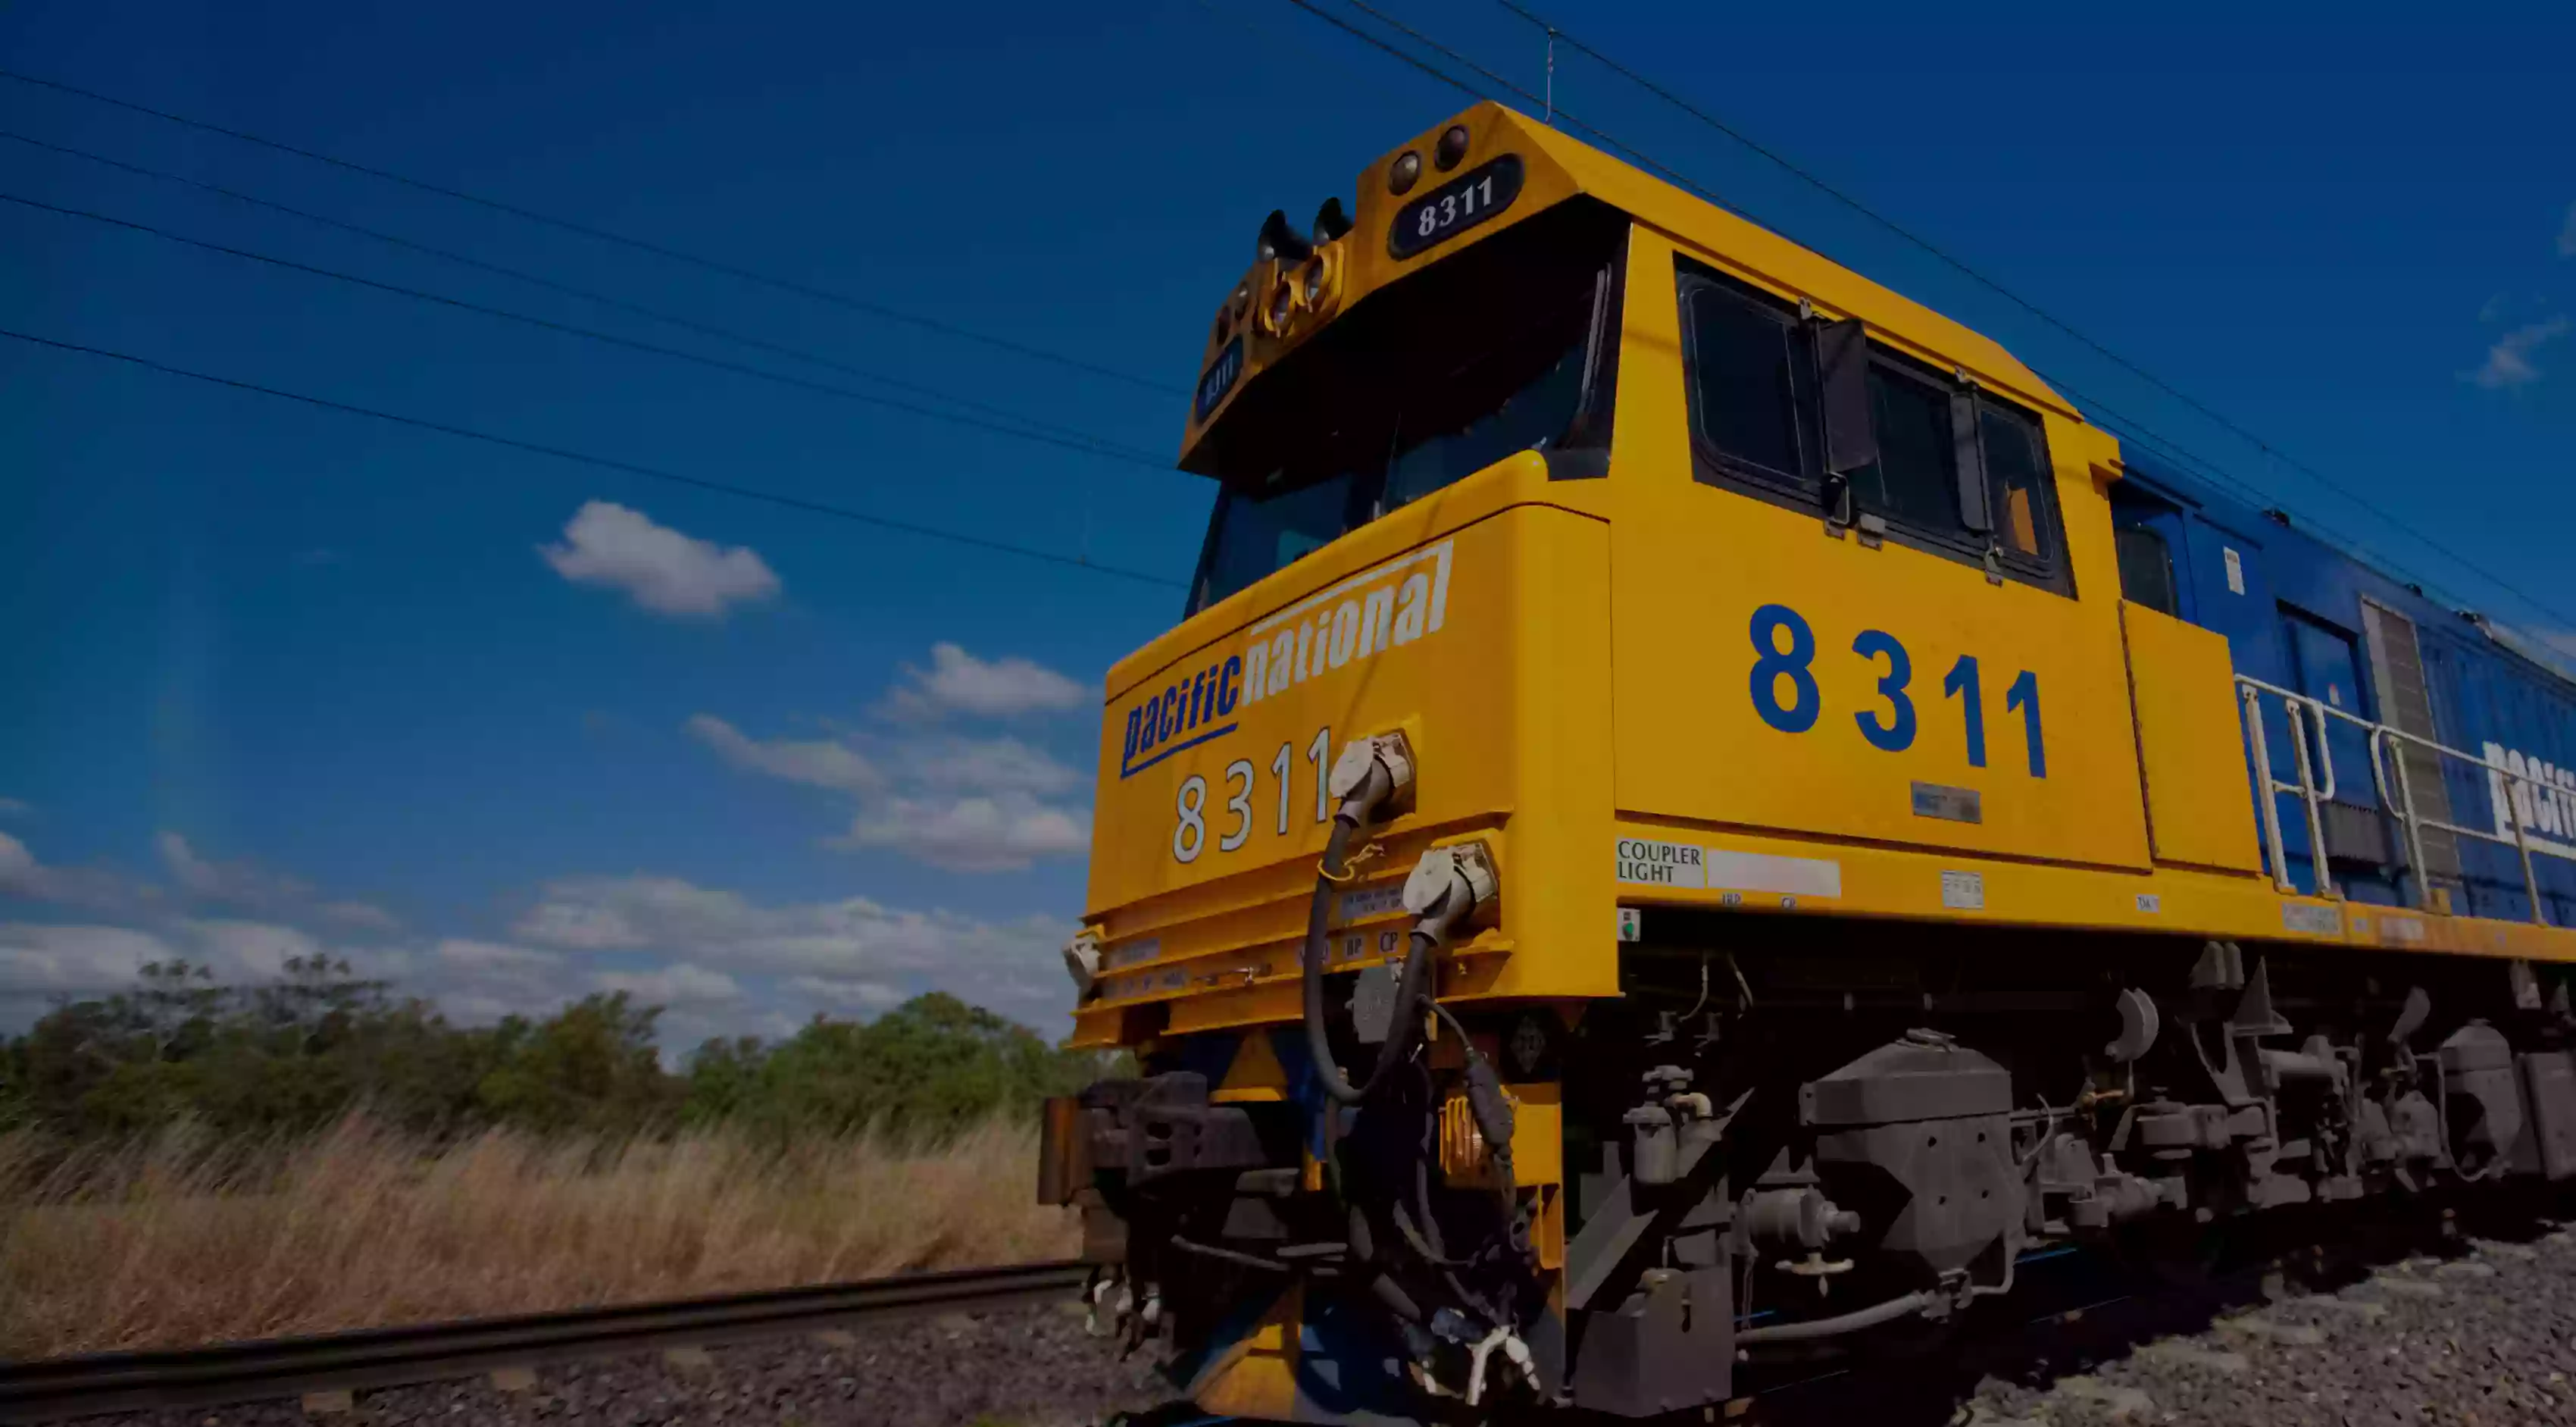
(53, 1388)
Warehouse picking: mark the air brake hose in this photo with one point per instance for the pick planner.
(1420, 952)
(1809, 1330)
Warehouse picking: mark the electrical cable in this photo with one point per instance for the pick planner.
(2129, 429)
(1665, 171)
(604, 235)
(1683, 181)
(1995, 286)
(1421, 950)
(588, 295)
(1638, 157)
(889, 313)
(560, 453)
(1031, 431)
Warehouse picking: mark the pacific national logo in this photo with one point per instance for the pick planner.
(1381, 608)
(2540, 795)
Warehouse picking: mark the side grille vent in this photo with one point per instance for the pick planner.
(2397, 672)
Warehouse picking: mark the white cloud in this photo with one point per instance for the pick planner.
(971, 834)
(20, 874)
(829, 953)
(73, 960)
(249, 887)
(472, 981)
(958, 682)
(86, 960)
(253, 949)
(679, 984)
(24, 877)
(2508, 362)
(965, 804)
(478, 982)
(721, 963)
(16, 808)
(864, 997)
(239, 884)
(988, 765)
(662, 569)
(2567, 234)
(364, 916)
(822, 763)
(465, 954)
(623, 913)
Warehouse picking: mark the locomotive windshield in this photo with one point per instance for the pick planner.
(1430, 381)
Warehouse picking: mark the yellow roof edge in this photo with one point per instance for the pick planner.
(1752, 251)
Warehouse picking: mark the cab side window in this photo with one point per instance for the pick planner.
(1813, 415)
(2016, 467)
(1752, 378)
(1916, 478)
(2146, 569)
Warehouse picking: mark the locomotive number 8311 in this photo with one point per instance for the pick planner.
(1699, 812)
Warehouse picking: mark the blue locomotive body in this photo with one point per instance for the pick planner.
(2304, 616)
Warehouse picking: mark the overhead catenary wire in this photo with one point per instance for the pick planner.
(2132, 430)
(610, 463)
(1029, 429)
(1666, 171)
(1598, 135)
(1546, 102)
(688, 324)
(1976, 275)
(664, 251)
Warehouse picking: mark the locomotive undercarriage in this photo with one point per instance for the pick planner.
(1793, 1136)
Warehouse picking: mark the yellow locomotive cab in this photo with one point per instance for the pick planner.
(1657, 792)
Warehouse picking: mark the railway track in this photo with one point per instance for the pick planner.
(2075, 1314)
(55, 1388)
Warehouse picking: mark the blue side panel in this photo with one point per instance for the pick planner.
(2506, 709)
(2291, 608)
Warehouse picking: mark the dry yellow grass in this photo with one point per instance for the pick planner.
(182, 1241)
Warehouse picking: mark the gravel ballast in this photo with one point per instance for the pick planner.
(2484, 1334)
(1029, 1367)
(2484, 1337)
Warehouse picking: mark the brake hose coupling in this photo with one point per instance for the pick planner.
(1374, 775)
(1449, 884)
(1082, 962)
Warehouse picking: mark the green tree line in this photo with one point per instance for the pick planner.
(319, 1043)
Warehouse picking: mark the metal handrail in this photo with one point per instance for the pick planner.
(2400, 797)
(2306, 788)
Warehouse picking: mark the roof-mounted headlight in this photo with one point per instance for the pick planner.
(1452, 147)
(1331, 222)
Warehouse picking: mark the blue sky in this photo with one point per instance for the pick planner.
(510, 729)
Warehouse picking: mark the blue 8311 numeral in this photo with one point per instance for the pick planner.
(1895, 732)
(1791, 664)
(1890, 730)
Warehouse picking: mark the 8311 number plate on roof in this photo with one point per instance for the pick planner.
(1455, 206)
